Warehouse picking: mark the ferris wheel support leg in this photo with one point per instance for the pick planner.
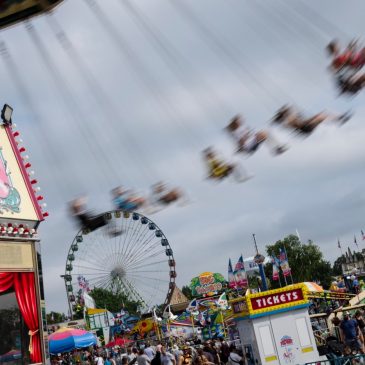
(68, 298)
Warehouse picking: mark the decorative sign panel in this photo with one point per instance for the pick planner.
(17, 198)
(16, 255)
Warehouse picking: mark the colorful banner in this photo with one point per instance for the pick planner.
(207, 284)
(284, 263)
(83, 283)
(222, 302)
(240, 274)
(275, 268)
(231, 278)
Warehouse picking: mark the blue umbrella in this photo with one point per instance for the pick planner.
(67, 339)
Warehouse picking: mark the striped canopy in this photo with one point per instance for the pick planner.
(67, 339)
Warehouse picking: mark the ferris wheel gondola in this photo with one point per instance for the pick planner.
(16, 11)
(138, 261)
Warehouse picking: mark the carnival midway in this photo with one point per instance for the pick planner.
(212, 268)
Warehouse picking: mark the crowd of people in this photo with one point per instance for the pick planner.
(349, 335)
(211, 352)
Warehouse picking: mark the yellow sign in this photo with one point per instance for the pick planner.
(271, 358)
(270, 301)
(307, 349)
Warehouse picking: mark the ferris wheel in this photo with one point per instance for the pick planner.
(129, 255)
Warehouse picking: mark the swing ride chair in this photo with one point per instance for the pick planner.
(17, 13)
(24, 10)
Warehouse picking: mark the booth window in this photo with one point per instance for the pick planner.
(266, 340)
(303, 332)
(14, 337)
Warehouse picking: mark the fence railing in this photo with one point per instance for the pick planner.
(340, 360)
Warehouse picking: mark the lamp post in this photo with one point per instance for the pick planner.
(259, 260)
(6, 114)
(68, 299)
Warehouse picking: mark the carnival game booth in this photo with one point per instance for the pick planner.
(21, 289)
(275, 327)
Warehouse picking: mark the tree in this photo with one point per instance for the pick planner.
(55, 317)
(187, 291)
(113, 302)
(305, 260)
(337, 265)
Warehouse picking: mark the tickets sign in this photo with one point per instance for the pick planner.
(272, 300)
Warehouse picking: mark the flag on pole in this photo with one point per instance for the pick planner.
(338, 243)
(231, 278)
(300, 241)
(355, 241)
(240, 273)
(275, 268)
(284, 263)
(222, 302)
(362, 235)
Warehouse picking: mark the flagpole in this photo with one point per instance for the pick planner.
(192, 323)
(291, 276)
(222, 321)
(286, 283)
(339, 246)
(261, 266)
(296, 230)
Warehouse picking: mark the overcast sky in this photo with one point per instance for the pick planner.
(127, 109)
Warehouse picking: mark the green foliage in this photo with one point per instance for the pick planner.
(194, 282)
(219, 277)
(113, 302)
(186, 290)
(55, 317)
(306, 261)
(337, 265)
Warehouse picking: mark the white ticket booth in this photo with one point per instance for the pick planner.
(275, 328)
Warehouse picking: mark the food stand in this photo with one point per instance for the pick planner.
(22, 309)
(275, 327)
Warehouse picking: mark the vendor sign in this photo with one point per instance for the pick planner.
(275, 299)
(270, 301)
(207, 284)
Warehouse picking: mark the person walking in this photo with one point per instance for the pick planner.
(350, 333)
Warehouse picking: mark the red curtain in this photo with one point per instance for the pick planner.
(24, 286)
(6, 281)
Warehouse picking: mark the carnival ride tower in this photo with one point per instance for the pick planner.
(21, 284)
